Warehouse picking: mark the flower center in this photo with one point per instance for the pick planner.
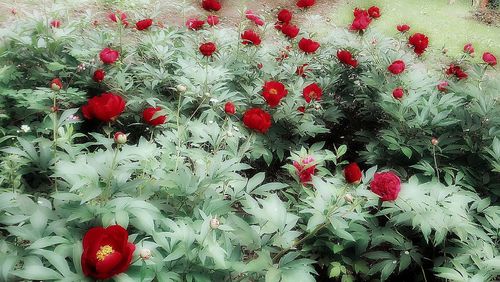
(273, 91)
(313, 95)
(103, 252)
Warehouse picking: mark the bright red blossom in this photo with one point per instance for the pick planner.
(211, 5)
(361, 20)
(207, 49)
(213, 20)
(398, 93)
(254, 18)
(250, 37)
(285, 16)
(386, 185)
(144, 24)
(468, 48)
(99, 75)
(229, 108)
(305, 3)
(490, 59)
(308, 45)
(109, 56)
(403, 27)
(397, 67)
(312, 92)
(345, 57)
(305, 169)
(195, 24)
(55, 23)
(123, 18)
(290, 30)
(352, 173)
(420, 42)
(106, 252)
(457, 72)
(149, 113)
(443, 86)
(257, 119)
(106, 107)
(374, 12)
(273, 92)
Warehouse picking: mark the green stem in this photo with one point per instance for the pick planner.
(113, 164)
(54, 131)
(178, 132)
(435, 161)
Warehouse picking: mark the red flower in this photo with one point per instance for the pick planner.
(301, 109)
(285, 16)
(346, 57)
(144, 24)
(211, 5)
(254, 18)
(99, 75)
(56, 84)
(106, 107)
(403, 27)
(396, 67)
(106, 252)
(278, 25)
(305, 3)
(387, 185)
(308, 45)
(250, 37)
(207, 49)
(123, 18)
(352, 173)
(149, 113)
(374, 12)
(195, 24)
(442, 86)
(109, 56)
(301, 70)
(361, 20)
(290, 30)
(273, 92)
(456, 71)
(398, 93)
(229, 108)
(260, 66)
(213, 20)
(305, 170)
(55, 23)
(257, 119)
(468, 48)
(420, 42)
(490, 59)
(312, 92)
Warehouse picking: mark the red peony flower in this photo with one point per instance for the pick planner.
(250, 37)
(257, 119)
(346, 57)
(468, 48)
(207, 49)
(457, 72)
(229, 108)
(211, 5)
(123, 18)
(398, 93)
(301, 109)
(420, 42)
(305, 3)
(106, 107)
(352, 173)
(195, 24)
(443, 86)
(361, 20)
(273, 92)
(149, 113)
(403, 27)
(260, 66)
(374, 12)
(490, 59)
(144, 24)
(305, 169)
(109, 56)
(56, 84)
(312, 92)
(55, 23)
(290, 30)
(254, 18)
(308, 46)
(213, 20)
(106, 252)
(396, 67)
(285, 16)
(99, 75)
(386, 185)
(301, 70)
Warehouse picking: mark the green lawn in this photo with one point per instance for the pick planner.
(449, 26)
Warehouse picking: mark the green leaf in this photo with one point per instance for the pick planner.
(47, 241)
(254, 181)
(37, 272)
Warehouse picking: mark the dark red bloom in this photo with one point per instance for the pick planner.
(396, 67)
(305, 169)
(305, 3)
(301, 109)
(308, 46)
(109, 56)
(285, 16)
(148, 116)
(250, 37)
(213, 20)
(99, 75)
(468, 48)
(260, 66)
(346, 57)
(443, 86)
(56, 84)
(490, 59)
(273, 92)
(229, 108)
(403, 27)
(211, 5)
(361, 20)
(398, 93)
(106, 252)
(352, 173)
(290, 30)
(257, 119)
(457, 72)
(195, 24)
(312, 92)
(254, 18)
(386, 185)
(301, 70)
(420, 42)
(374, 12)
(207, 49)
(106, 107)
(143, 24)
(55, 23)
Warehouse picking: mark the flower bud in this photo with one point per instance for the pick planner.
(434, 141)
(214, 223)
(145, 254)
(181, 88)
(348, 198)
(56, 84)
(207, 94)
(120, 138)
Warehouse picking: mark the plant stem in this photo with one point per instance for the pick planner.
(113, 163)
(54, 131)
(178, 132)
(435, 161)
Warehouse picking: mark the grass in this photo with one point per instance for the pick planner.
(449, 26)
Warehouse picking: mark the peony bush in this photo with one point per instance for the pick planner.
(133, 150)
